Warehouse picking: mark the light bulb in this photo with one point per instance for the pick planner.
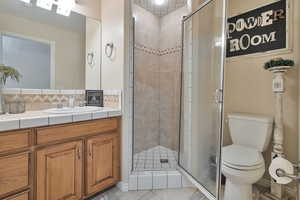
(46, 4)
(64, 7)
(26, 1)
(159, 2)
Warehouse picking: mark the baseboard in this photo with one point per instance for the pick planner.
(264, 183)
(290, 191)
(124, 187)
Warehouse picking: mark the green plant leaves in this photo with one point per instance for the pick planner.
(279, 62)
(8, 72)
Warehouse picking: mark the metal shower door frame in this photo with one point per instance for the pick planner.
(207, 193)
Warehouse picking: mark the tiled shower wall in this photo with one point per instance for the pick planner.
(146, 80)
(170, 78)
(157, 79)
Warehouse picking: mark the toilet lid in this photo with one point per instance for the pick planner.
(239, 156)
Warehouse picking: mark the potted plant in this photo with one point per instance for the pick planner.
(279, 64)
(6, 73)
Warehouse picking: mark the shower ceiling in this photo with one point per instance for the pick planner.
(165, 8)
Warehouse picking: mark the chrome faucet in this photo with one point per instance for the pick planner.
(72, 101)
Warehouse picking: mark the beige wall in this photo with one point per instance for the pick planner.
(248, 87)
(69, 48)
(89, 8)
(113, 30)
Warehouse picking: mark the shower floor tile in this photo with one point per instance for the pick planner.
(155, 159)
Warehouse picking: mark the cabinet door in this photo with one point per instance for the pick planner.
(103, 162)
(14, 173)
(21, 196)
(59, 172)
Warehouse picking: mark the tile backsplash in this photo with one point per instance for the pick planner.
(39, 99)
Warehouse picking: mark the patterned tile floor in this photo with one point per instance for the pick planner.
(170, 194)
(150, 160)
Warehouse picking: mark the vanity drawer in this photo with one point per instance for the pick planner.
(14, 173)
(21, 196)
(14, 140)
(62, 132)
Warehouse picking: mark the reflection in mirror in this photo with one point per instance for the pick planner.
(49, 50)
(36, 59)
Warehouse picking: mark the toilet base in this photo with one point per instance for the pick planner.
(237, 191)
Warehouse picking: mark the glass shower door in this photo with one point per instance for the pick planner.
(202, 95)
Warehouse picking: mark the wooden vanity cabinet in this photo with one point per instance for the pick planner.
(70, 161)
(102, 162)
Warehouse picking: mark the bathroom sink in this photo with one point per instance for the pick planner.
(68, 110)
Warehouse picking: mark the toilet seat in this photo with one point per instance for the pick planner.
(242, 158)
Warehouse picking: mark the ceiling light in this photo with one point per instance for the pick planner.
(64, 7)
(159, 2)
(26, 1)
(46, 4)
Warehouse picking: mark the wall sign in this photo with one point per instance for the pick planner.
(260, 30)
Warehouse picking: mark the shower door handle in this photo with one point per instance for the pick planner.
(219, 96)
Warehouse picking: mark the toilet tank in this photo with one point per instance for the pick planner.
(254, 131)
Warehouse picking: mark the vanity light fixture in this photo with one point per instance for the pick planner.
(64, 7)
(26, 1)
(46, 4)
(159, 2)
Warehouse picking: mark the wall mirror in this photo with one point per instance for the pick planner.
(50, 51)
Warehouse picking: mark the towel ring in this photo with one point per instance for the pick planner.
(91, 59)
(109, 47)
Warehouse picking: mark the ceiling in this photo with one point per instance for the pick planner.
(75, 22)
(161, 10)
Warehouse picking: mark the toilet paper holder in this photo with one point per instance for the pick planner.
(282, 173)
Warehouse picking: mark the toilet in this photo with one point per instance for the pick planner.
(242, 162)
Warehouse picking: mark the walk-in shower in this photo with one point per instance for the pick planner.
(157, 82)
(178, 89)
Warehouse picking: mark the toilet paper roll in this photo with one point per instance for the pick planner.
(281, 163)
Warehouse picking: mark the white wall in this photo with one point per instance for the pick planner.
(89, 8)
(93, 45)
(113, 26)
(116, 18)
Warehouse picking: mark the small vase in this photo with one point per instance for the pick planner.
(2, 103)
(2, 100)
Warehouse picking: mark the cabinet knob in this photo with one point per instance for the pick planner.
(90, 150)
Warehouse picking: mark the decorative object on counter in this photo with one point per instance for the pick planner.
(6, 73)
(278, 67)
(17, 106)
(94, 98)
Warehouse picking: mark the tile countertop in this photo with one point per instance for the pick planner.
(32, 119)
